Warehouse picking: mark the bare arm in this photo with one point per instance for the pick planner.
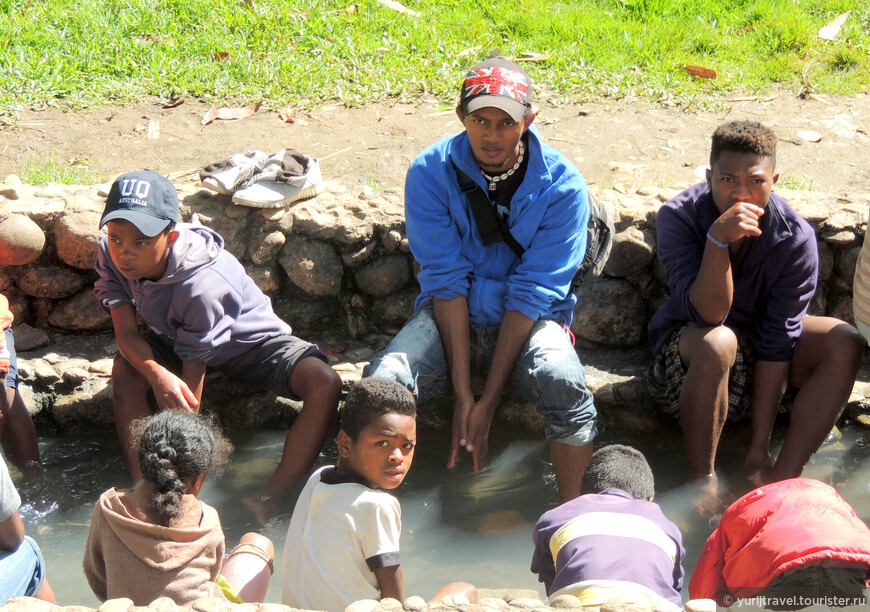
(512, 336)
(11, 532)
(391, 582)
(452, 319)
(170, 391)
(193, 375)
(713, 289)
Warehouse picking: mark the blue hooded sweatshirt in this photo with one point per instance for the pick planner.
(548, 217)
(205, 305)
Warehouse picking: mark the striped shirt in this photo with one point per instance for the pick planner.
(601, 545)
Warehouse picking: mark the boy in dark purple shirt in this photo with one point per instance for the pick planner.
(742, 267)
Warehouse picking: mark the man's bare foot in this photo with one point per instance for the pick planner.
(711, 498)
(757, 467)
(265, 508)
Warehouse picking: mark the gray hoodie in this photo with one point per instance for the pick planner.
(205, 306)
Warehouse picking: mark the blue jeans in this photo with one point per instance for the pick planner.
(548, 372)
(21, 571)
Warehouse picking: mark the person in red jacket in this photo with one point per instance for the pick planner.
(790, 544)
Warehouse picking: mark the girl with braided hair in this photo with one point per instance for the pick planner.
(158, 539)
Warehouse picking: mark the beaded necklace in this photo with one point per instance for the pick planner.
(495, 179)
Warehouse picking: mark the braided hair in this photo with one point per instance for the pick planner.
(174, 448)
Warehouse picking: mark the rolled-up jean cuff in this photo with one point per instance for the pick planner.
(573, 437)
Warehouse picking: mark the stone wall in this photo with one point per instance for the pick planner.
(338, 264)
(341, 262)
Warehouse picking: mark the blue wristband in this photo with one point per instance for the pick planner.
(721, 245)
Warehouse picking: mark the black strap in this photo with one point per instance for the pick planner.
(490, 225)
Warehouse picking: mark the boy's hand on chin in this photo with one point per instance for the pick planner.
(739, 221)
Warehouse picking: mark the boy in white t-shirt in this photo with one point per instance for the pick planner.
(343, 512)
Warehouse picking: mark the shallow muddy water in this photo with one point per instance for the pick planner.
(456, 525)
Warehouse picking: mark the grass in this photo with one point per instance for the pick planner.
(88, 52)
(788, 180)
(49, 169)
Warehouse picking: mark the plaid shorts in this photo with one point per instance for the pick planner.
(665, 377)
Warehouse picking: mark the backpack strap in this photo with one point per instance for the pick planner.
(491, 227)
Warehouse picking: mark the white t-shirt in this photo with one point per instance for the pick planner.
(9, 498)
(339, 534)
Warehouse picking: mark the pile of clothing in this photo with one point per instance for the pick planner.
(259, 180)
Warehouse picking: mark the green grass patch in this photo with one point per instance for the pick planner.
(86, 52)
(794, 182)
(49, 169)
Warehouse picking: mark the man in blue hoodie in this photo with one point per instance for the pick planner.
(202, 310)
(481, 306)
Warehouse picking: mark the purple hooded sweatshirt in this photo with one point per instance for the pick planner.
(205, 306)
(772, 288)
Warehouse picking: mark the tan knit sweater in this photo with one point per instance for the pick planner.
(127, 557)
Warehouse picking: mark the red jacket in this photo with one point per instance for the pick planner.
(775, 529)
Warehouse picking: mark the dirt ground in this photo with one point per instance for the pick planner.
(627, 142)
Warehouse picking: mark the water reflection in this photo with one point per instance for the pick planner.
(456, 525)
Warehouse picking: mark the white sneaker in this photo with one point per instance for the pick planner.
(227, 175)
(286, 177)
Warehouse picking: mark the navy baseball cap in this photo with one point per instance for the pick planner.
(499, 83)
(145, 199)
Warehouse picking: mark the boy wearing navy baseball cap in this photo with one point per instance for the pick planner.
(202, 310)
